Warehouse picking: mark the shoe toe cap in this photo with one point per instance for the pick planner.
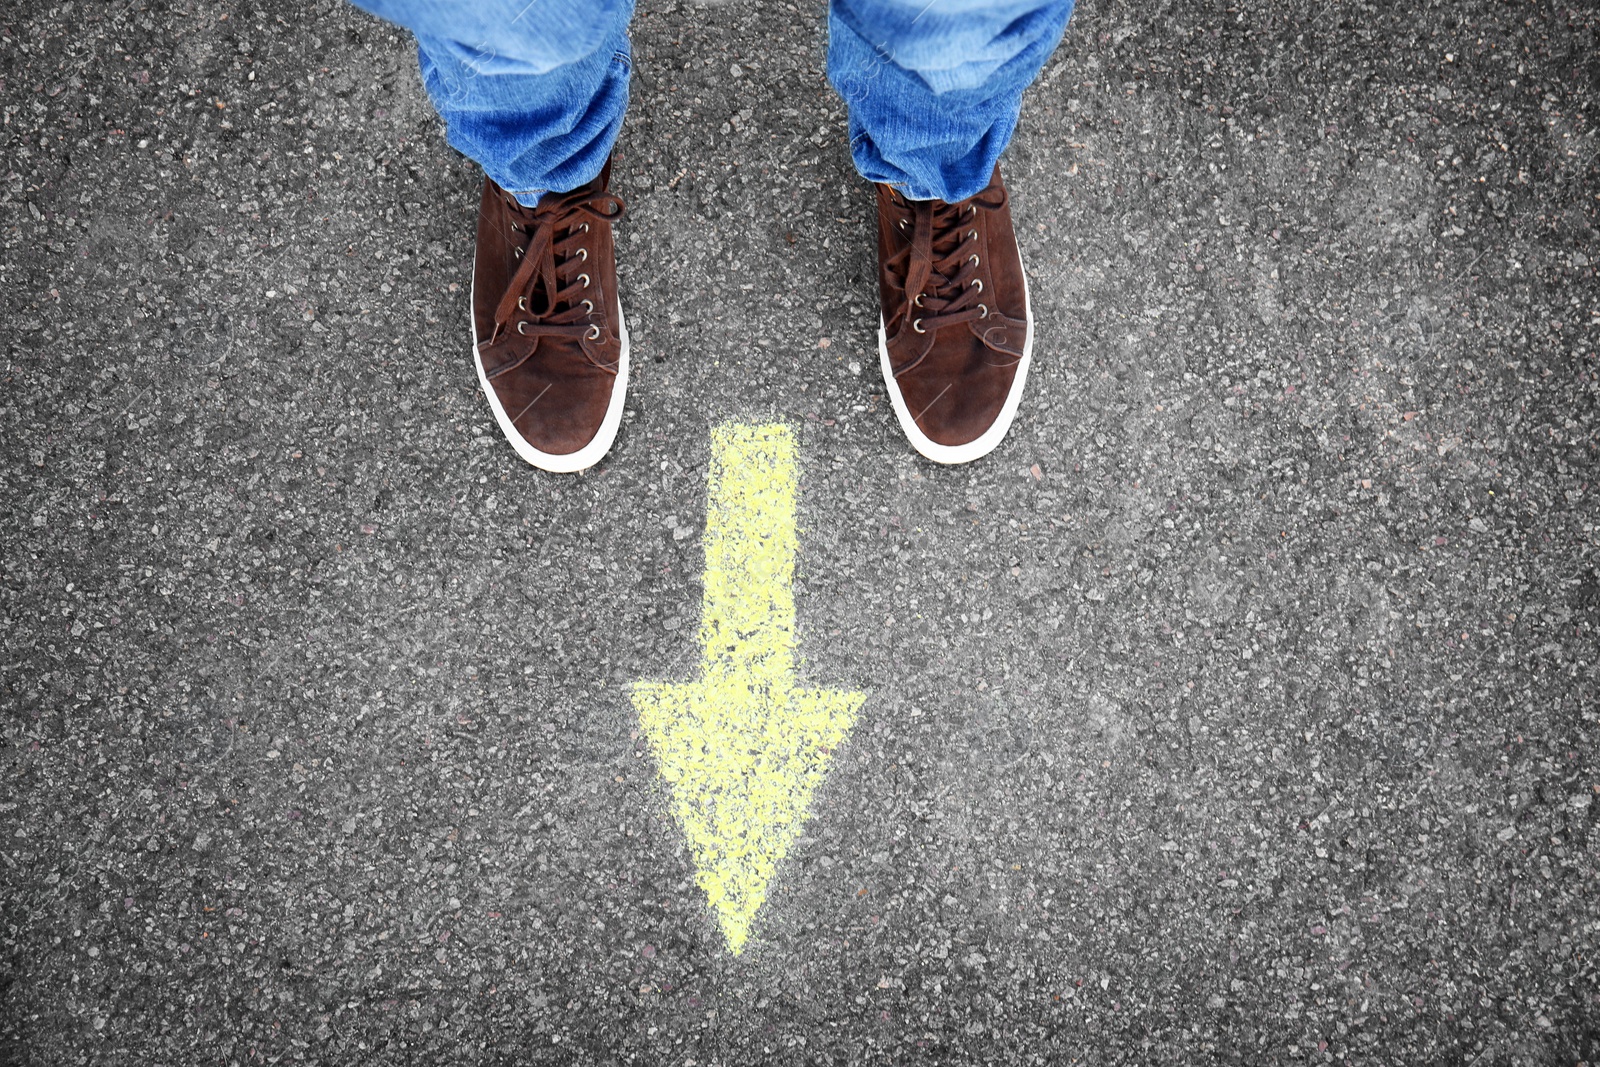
(555, 413)
(957, 406)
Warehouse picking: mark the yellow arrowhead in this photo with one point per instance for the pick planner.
(743, 748)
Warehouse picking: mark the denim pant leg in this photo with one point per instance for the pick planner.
(934, 88)
(533, 90)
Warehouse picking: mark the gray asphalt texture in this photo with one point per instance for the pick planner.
(1241, 708)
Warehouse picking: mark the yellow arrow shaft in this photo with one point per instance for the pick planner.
(747, 616)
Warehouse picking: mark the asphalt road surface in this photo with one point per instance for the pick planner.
(1241, 708)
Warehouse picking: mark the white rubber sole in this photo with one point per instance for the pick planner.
(589, 454)
(991, 438)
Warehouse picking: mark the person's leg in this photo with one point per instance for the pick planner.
(533, 90)
(934, 88)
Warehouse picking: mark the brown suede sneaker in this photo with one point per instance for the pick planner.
(552, 349)
(956, 334)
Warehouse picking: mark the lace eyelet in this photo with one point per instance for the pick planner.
(985, 309)
(586, 227)
(517, 252)
(585, 278)
(918, 300)
(902, 224)
(594, 333)
(520, 327)
(916, 324)
(588, 306)
(972, 235)
(979, 283)
(583, 254)
(522, 303)
(974, 259)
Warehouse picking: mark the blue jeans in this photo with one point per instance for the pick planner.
(535, 90)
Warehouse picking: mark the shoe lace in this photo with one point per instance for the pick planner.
(939, 267)
(545, 297)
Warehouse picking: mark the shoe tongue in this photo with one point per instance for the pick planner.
(541, 300)
(948, 235)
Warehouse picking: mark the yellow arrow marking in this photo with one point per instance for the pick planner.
(743, 748)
